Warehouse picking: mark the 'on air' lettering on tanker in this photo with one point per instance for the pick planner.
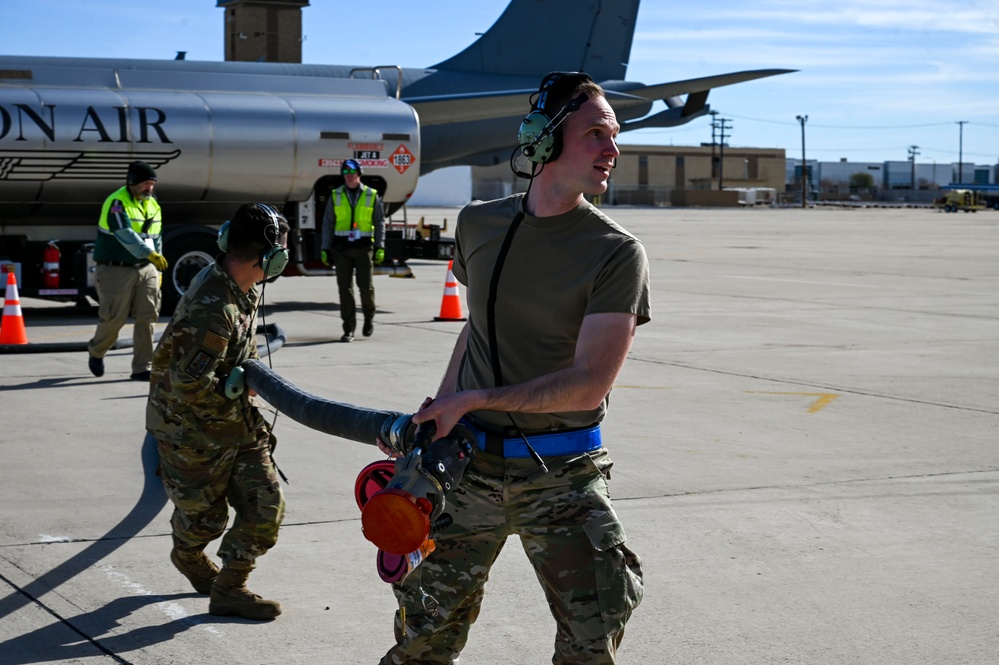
(22, 119)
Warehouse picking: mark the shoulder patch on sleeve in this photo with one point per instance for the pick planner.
(214, 342)
(201, 361)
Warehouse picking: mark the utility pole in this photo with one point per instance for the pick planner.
(960, 152)
(721, 150)
(913, 151)
(714, 124)
(804, 168)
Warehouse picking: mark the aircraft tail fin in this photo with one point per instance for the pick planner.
(534, 37)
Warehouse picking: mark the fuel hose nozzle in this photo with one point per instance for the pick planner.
(401, 517)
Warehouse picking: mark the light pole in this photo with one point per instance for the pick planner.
(913, 151)
(960, 152)
(804, 169)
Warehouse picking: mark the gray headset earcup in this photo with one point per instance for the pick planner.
(223, 237)
(531, 127)
(274, 261)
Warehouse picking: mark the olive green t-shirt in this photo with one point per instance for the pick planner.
(558, 270)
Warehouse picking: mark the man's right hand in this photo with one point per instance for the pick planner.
(444, 412)
(326, 257)
(158, 260)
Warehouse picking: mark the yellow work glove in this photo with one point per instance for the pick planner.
(379, 256)
(326, 258)
(158, 260)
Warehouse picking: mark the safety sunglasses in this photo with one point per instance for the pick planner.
(350, 171)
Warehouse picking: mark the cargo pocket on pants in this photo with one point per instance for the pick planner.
(616, 569)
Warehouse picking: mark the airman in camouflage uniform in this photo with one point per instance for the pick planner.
(555, 293)
(215, 451)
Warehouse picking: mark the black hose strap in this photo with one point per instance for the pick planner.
(493, 289)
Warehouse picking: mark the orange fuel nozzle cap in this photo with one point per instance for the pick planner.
(395, 521)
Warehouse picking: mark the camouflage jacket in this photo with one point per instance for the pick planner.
(212, 330)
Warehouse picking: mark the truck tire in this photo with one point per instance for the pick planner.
(188, 251)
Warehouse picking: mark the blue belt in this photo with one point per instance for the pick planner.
(549, 444)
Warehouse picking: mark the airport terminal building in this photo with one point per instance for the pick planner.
(890, 181)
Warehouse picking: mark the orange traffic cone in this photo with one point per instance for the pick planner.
(451, 304)
(12, 326)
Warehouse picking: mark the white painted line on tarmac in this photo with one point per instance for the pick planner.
(46, 538)
(173, 611)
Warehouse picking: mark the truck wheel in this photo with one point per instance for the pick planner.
(187, 255)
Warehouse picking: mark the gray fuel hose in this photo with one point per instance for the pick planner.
(344, 420)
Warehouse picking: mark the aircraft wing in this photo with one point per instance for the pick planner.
(690, 86)
(479, 127)
(679, 110)
(629, 100)
(468, 107)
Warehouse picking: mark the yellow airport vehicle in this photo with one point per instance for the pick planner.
(960, 199)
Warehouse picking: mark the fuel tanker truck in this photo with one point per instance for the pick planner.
(216, 136)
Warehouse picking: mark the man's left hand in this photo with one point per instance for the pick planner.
(158, 260)
(379, 256)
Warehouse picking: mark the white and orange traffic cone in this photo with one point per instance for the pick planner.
(12, 329)
(451, 303)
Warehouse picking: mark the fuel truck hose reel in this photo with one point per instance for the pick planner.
(405, 512)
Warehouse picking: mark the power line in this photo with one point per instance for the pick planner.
(930, 124)
(899, 149)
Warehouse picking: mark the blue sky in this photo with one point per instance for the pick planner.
(876, 76)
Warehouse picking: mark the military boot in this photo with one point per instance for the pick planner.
(230, 597)
(197, 568)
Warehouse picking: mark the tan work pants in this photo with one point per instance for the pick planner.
(127, 291)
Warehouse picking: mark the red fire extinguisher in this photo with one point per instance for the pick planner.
(50, 266)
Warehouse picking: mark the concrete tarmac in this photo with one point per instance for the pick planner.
(805, 440)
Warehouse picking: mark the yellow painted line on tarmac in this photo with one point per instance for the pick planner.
(822, 399)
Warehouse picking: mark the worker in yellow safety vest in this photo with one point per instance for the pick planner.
(129, 257)
(354, 242)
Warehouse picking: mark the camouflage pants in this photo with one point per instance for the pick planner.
(572, 537)
(203, 482)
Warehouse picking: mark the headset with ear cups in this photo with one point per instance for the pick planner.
(273, 260)
(540, 137)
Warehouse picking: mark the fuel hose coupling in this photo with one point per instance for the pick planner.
(400, 518)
